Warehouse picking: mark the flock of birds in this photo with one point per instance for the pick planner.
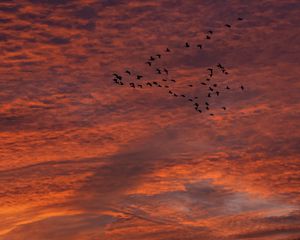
(200, 105)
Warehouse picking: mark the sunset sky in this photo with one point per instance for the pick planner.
(82, 158)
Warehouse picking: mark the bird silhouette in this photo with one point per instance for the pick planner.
(164, 80)
(166, 86)
(166, 71)
(132, 85)
(211, 89)
(210, 32)
(242, 87)
(203, 83)
(190, 85)
(168, 50)
(175, 95)
(170, 92)
(140, 86)
(173, 80)
(227, 87)
(158, 55)
(240, 19)
(228, 25)
(190, 99)
(208, 79)
(207, 108)
(149, 84)
(139, 77)
(182, 95)
(224, 108)
(208, 95)
(218, 93)
(155, 83)
(199, 110)
(151, 58)
(207, 37)
(127, 71)
(215, 85)
(206, 103)
(199, 46)
(211, 114)
(187, 45)
(158, 71)
(149, 63)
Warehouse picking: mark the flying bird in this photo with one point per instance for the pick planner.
(207, 37)
(164, 80)
(210, 32)
(166, 71)
(224, 108)
(158, 71)
(199, 46)
(187, 45)
(190, 85)
(129, 73)
(240, 19)
(182, 95)
(173, 80)
(149, 84)
(168, 50)
(140, 86)
(203, 83)
(132, 85)
(227, 87)
(149, 63)
(158, 55)
(215, 85)
(218, 93)
(242, 87)
(228, 25)
(151, 58)
(139, 77)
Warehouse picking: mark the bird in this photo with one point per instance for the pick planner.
(242, 87)
(211, 89)
(217, 93)
(195, 97)
(220, 66)
(225, 72)
(149, 63)
(151, 58)
(175, 95)
(190, 85)
(166, 71)
(158, 55)
(117, 76)
(173, 80)
(129, 73)
(196, 104)
(155, 83)
(166, 86)
(187, 45)
(208, 95)
(211, 114)
(210, 32)
(215, 85)
(228, 25)
(158, 71)
(240, 19)
(190, 99)
(168, 50)
(207, 37)
(206, 103)
(211, 72)
(139, 77)
(199, 46)
(116, 81)
(120, 83)
(149, 84)
(182, 95)
(224, 108)
(227, 87)
(203, 83)
(159, 85)
(199, 110)
(140, 86)
(132, 85)
(207, 108)
(208, 79)
(164, 80)
(170, 92)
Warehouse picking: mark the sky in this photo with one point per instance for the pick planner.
(82, 158)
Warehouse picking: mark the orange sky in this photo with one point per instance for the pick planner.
(84, 159)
